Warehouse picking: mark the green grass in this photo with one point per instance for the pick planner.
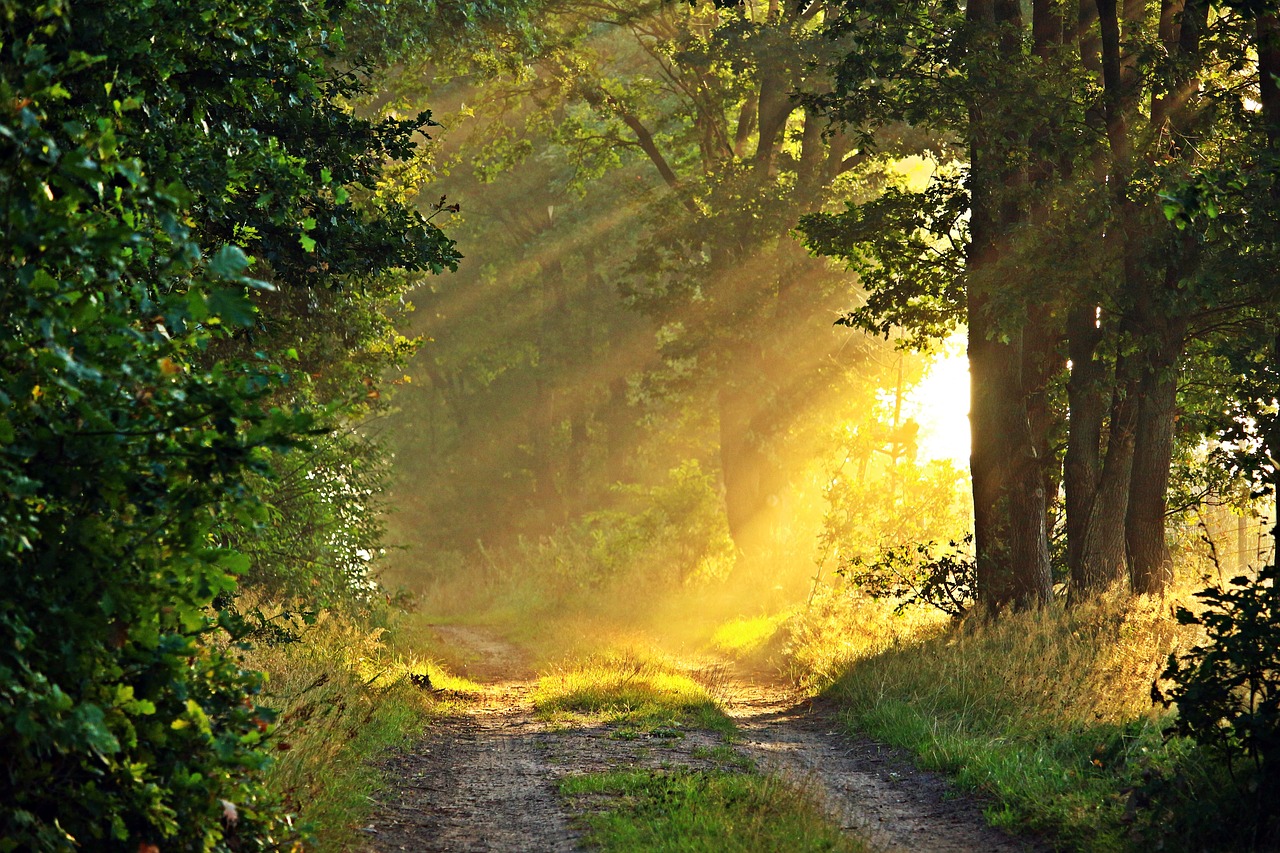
(634, 694)
(725, 756)
(749, 637)
(1050, 713)
(699, 811)
(344, 697)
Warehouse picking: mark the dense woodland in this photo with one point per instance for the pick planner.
(313, 309)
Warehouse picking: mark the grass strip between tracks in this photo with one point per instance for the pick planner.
(691, 811)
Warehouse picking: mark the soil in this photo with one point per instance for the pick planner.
(486, 780)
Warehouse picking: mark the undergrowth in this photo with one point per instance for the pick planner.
(699, 811)
(344, 695)
(1050, 713)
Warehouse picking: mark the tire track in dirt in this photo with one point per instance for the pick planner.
(870, 790)
(487, 780)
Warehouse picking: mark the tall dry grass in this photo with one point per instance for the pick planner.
(1048, 712)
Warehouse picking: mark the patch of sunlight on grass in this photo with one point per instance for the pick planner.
(843, 625)
(631, 691)
(443, 679)
(745, 636)
(700, 811)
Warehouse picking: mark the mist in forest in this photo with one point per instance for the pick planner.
(564, 447)
(707, 349)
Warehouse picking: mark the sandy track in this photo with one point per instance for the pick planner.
(487, 780)
(871, 790)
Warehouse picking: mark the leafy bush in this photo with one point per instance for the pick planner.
(145, 151)
(1227, 688)
(674, 532)
(322, 527)
(914, 574)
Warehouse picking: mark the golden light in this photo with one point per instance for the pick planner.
(940, 404)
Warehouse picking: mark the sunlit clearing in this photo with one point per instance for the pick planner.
(745, 635)
(639, 693)
(940, 404)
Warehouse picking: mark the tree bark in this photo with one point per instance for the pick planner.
(1008, 493)
(1083, 464)
(1103, 558)
(1150, 563)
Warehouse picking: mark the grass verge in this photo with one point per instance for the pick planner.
(694, 811)
(635, 693)
(1050, 713)
(343, 697)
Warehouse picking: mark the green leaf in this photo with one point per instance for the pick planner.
(229, 262)
(232, 307)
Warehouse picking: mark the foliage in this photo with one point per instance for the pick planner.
(1227, 687)
(908, 251)
(672, 531)
(915, 574)
(667, 127)
(321, 526)
(153, 157)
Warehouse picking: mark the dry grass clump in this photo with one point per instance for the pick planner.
(1049, 711)
(843, 625)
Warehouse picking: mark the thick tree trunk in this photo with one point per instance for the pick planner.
(1008, 492)
(1083, 465)
(1150, 564)
(1103, 558)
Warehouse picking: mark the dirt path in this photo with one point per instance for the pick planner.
(486, 781)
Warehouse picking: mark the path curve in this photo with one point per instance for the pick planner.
(487, 780)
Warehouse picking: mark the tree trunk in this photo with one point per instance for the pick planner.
(1150, 564)
(1160, 322)
(1103, 558)
(775, 107)
(1008, 492)
(1083, 465)
(1040, 362)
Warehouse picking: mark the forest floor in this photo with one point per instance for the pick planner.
(487, 779)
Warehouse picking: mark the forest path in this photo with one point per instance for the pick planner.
(486, 780)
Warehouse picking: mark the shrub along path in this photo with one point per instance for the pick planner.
(488, 780)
